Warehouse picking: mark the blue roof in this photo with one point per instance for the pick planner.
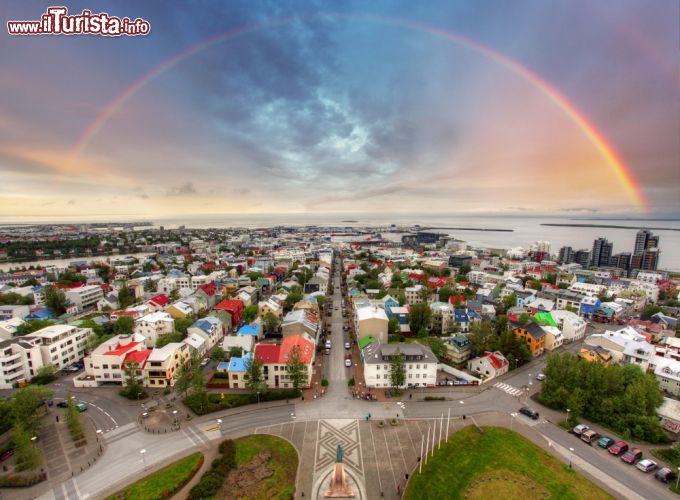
(250, 329)
(237, 364)
(464, 316)
(224, 365)
(41, 314)
(205, 323)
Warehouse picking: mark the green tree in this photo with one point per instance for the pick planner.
(133, 383)
(393, 326)
(125, 297)
(124, 325)
(27, 455)
(183, 378)
(255, 380)
(168, 338)
(174, 295)
(482, 338)
(501, 324)
(197, 376)
(25, 405)
(524, 319)
(509, 301)
(271, 323)
(397, 370)
(436, 345)
(321, 301)
(55, 300)
(297, 370)
(445, 293)
(45, 375)
(419, 317)
(250, 313)
(217, 354)
(32, 326)
(235, 352)
(73, 422)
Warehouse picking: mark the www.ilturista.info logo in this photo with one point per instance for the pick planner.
(56, 21)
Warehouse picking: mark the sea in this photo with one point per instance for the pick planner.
(524, 229)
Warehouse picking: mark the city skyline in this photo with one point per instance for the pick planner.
(277, 107)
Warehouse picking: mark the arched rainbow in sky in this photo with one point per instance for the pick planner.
(619, 168)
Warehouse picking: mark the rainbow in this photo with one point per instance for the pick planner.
(622, 172)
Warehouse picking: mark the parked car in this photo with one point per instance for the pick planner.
(328, 344)
(646, 465)
(580, 429)
(632, 456)
(618, 448)
(540, 377)
(348, 345)
(665, 475)
(62, 404)
(327, 351)
(589, 436)
(348, 363)
(205, 361)
(605, 442)
(81, 407)
(6, 455)
(529, 412)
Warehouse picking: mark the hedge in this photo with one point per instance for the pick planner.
(21, 480)
(202, 404)
(212, 480)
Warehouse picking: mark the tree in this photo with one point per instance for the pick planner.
(124, 325)
(125, 297)
(250, 313)
(397, 370)
(292, 298)
(235, 352)
(45, 375)
(509, 301)
(217, 354)
(168, 338)
(321, 301)
(482, 338)
(271, 322)
(501, 324)
(524, 319)
(393, 326)
(436, 345)
(174, 294)
(32, 326)
(419, 317)
(25, 405)
(55, 300)
(73, 422)
(297, 370)
(197, 376)
(183, 378)
(445, 293)
(255, 381)
(133, 383)
(27, 454)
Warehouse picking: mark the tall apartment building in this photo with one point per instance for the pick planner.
(566, 255)
(85, 297)
(602, 252)
(62, 345)
(620, 260)
(644, 240)
(646, 251)
(20, 359)
(582, 257)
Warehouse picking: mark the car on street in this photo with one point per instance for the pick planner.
(205, 361)
(605, 442)
(589, 436)
(632, 456)
(540, 377)
(665, 475)
(62, 404)
(580, 429)
(618, 448)
(348, 363)
(529, 412)
(6, 455)
(81, 407)
(328, 344)
(646, 465)
(348, 345)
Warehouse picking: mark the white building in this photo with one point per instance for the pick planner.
(20, 359)
(8, 328)
(573, 327)
(210, 329)
(62, 345)
(154, 325)
(371, 320)
(491, 365)
(414, 294)
(85, 297)
(160, 369)
(107, 362)
(420, 364)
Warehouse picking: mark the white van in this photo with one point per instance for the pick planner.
(328, 344)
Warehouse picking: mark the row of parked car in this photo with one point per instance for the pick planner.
(631, 456)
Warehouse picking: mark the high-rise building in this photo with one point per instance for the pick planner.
(602, 252)
(582, 257)
(648, 260)
(566, 255)
(621, 260)
(644, 240)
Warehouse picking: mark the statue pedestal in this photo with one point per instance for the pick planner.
(339, 487)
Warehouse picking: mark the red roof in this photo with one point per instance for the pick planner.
(267, 353)
(456, 299)
(415, 276)
(121, 349)
(138, 357)
(306, 348)
(496, 359)
(209, 289)
(160, 299)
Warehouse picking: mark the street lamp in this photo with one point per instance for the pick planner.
(99, 433)
(219, 424)
(512, 419)
(677, 480)
(143, 453)
(571, 456)
(568, 415)
(258, 397)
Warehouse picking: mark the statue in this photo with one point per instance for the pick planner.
(339, 455)
(339, 487)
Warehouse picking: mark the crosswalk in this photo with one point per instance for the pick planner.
(513, 391)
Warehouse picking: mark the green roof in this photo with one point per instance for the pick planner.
(366, 341)
(545, 318)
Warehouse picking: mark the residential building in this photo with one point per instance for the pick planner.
(299, 322)
(602, 252)
(464, 318)
(371, 321)
(553, 337)
(237, 369)
(160, 369)
(573, 327)
(616, 342)
(209, 328)
(667, 372)
(457, 348)
(420, 364)
(490, 365)
(534, 336)
(107, 362)
(275, 358)
(596, 354)
(234, 308)
(154, 325)
(85, 297)
(179, 310)
(20, 360)
(8, 327)
(62, 345)
(414, 294)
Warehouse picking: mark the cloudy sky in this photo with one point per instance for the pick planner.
(344, 106)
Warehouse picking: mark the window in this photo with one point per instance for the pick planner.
(106, 367)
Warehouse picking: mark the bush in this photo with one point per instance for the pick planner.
(435, 398)
(221, 375)
(133, 396)
(21, 480)
(201, 404)
(219, 469)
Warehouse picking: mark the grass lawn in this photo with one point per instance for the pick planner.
(284, 464)
(495, 463)
(164, 483)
